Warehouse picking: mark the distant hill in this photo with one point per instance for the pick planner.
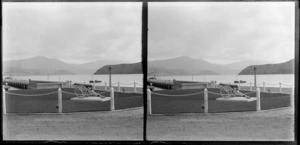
(176, 66)
(240, 65)
(22, 71)
(134, 68)
(280, 68)
(40, 65)
(185, 65)
(97, 64)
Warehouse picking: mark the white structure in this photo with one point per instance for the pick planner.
(258, 99)
(112, 99)
(149, 101)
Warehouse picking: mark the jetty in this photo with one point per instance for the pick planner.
(21, 84)
(176, 84)
(35, 84)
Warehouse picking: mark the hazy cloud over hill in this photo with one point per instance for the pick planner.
(222, 32)
(72, 32)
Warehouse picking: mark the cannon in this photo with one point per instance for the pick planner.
(230, 90)
(85, 90)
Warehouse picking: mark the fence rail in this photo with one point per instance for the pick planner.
(177, 95)
(206, 93)
(268, 87)
(31, 94)
(59, 93)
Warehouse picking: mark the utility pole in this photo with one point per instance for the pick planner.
(254, 77)
(109, 68)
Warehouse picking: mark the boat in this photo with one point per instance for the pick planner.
(96, 81)
(240, 81)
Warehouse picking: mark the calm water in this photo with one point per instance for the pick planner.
(271, 80)
(124, 80)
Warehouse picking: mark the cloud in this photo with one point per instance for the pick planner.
(222, 32)
(73, 32)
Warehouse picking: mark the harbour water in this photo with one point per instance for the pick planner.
(269, 80)
(126, 79)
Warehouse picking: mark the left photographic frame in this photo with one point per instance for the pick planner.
(72, 71)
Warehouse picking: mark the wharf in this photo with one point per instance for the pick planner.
(21, 84)
(34, 84)
(177, 85)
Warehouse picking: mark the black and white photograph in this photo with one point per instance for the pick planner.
(221, 71)
(157, 72)
(72, 71)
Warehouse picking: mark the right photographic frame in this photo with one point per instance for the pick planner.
(222, 71)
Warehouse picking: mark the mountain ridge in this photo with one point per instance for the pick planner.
(277, 68)
(40, 65)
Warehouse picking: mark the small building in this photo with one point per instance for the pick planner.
(192, 85)
(176, 85)
(37, 84)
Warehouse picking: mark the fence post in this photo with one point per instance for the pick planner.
(105, 87)
(4, 101)
(279, 87)
(94, 86)
(292, 97)
(6, 86)
(134, 85)
(264, 86)
(258, 99)
(149, 101)
(119, 89)
(59, 101)
(250, 86)
(205, 101)
(239, 85)
(112, 99)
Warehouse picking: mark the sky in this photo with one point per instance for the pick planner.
(72, 32)
(222, 32)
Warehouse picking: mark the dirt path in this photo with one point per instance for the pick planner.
(273, 125)
(118, 125)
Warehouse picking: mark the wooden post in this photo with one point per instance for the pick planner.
(264, 86)
(255, 77)
(250, 86)
(292, 97)
(4, 101)
(239, 85)
(149, 101)
(105, 88)
(59, 101)
(6, 86)
(279, 87)
(112, 99)
(119, 88)
(258, 99)
(134, 85)
(94, 85)
(110, 85)
(205, 101)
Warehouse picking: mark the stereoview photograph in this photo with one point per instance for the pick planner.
(221, 71)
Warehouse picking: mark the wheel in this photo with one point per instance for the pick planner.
(78, 92)
(224, 93)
